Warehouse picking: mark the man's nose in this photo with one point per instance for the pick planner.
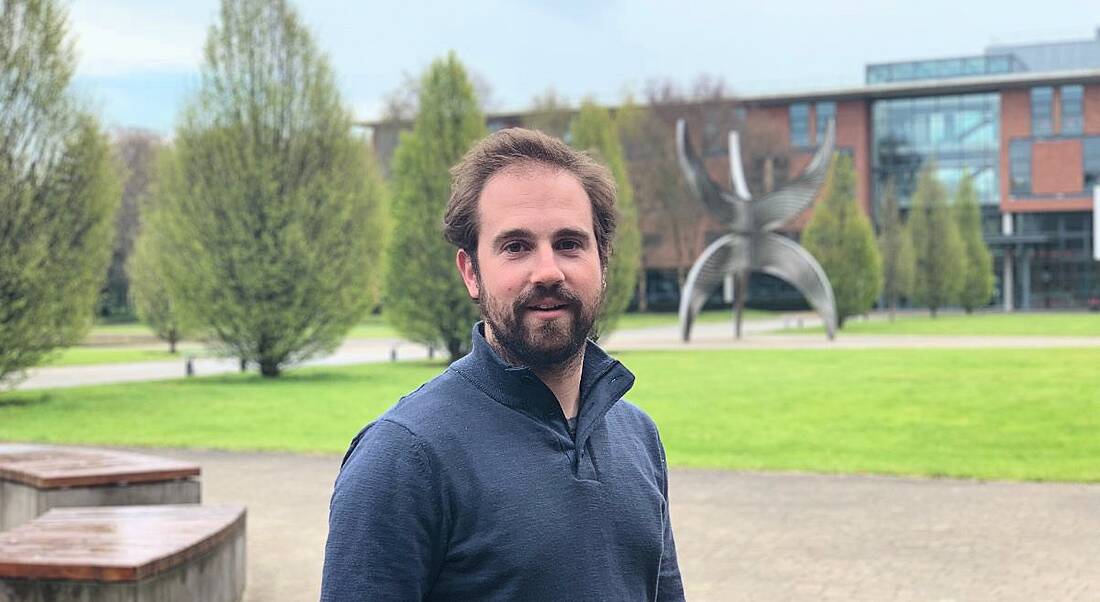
(546, 270)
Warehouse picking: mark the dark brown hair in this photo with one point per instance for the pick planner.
(515, 147)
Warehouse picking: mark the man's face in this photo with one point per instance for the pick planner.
(538, 275)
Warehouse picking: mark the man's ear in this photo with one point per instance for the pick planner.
(466, 267)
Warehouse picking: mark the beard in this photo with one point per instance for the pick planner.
(550, 343)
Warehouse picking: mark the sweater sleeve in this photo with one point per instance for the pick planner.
(670, 587)
(385, 539)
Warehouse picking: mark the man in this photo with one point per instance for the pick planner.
(519, 473)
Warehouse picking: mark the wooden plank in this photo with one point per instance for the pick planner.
(113, 544)
(52, 467)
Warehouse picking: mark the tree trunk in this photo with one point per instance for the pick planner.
(740, 292)
(643, 304)
(269, 369)
(454, 349)
(172, 344)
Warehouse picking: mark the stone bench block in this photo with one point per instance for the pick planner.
(36, 478)
(165, 553)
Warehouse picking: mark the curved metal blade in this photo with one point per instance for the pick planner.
(785, 259)
(776, 208)
(706, 274)
(718, 202)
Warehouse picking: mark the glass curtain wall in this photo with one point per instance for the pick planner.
(961, 133)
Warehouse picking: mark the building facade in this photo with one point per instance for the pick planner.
(1023, 121)
(1029, 138)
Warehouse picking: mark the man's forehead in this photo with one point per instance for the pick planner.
(537, 195)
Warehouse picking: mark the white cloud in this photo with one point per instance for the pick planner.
(120, 37)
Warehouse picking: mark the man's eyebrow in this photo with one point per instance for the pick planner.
(521, 233)
(573, 233)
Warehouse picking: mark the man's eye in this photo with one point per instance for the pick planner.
(569, 245)
(514, 247)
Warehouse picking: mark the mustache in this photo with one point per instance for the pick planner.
(557, 293)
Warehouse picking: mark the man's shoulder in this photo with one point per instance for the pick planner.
(422, 416)
(633, 417)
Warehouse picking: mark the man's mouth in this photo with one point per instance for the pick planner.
(547, 306)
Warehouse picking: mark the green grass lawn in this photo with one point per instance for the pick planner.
(90, 356)
(982, 324)
(632, 321)
(993, 413)
(372, 327)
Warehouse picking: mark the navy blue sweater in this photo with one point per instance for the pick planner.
(471, 488)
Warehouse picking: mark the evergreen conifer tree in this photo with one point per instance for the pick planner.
(938, 252)
(425, 299)
(840, 237)
(977, 286)
(59, 189)
(896, 249)
(594, 131)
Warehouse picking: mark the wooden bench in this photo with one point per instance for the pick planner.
(36, 478)
(165, 553)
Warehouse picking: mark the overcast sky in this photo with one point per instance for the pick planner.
(140, 58)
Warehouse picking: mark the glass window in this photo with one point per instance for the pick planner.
(800, 124)
(1091, 157)
(824, 112)
(960, 132)
(1041, 100)
(1072, 122)
(1019, 156)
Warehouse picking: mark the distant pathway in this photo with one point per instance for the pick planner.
(758, 334)
(356, 351)
(752, 536)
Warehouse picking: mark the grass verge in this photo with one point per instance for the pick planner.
(992, 414)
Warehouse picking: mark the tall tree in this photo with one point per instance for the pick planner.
(896, 248)
(136, 150)
(840, 236)
(58, 191)
(977, 286)
(425, 299)
(594, 131)
(550, 113)
(938, 251)
(149, 269)
(270, 213)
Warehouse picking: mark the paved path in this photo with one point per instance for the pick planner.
(356, 351)
(758, 333)
(749, 536)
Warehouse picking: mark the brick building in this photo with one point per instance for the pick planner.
(1029, 137)
(1023, 121)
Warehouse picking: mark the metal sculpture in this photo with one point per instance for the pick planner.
(751, 245)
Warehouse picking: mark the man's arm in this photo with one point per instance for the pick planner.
(670, 586)
(386, 537)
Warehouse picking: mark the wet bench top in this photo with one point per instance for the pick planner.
(53, 467)
(115, 544)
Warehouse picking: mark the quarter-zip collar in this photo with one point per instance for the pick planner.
(604, 381)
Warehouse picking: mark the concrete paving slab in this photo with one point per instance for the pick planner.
(752, 536)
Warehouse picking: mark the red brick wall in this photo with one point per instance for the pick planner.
(1055, 164)
(1015, 123)
(1092, 109)
(853, 127)
(1056, 167)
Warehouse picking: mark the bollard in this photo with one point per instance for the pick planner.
(189, 366)
(393, 354)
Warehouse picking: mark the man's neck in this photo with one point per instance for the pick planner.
(563, 380)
